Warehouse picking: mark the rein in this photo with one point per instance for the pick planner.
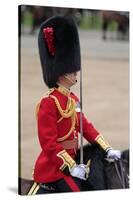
(121, 172)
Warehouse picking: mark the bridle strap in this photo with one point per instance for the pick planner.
(120, 173)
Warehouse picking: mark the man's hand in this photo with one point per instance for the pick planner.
(114, 154)
(79, 171)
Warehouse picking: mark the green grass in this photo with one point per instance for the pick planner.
(87, 22)
(27, 19)
(112, 26)
(95, 22)
(91, 22)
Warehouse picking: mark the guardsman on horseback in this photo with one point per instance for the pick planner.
(58, 113)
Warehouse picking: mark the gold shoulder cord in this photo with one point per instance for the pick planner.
(68, 112)
(67, 107)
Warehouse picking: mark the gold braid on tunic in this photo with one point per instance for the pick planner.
(68, 112)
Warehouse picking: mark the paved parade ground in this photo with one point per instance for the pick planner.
(105, 80)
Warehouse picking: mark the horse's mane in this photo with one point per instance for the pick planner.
(94, 153)
(103, 174)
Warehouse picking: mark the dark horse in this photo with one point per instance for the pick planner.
(120, 18)
(104, 174)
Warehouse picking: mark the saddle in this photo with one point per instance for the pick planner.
(26, 185)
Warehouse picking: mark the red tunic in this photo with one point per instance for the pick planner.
(51, 127)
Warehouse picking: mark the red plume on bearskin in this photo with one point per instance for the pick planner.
(49, 36)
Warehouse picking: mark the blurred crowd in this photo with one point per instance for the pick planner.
(33, 16)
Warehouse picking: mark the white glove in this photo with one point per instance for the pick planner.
(79, 171)
(114, 154)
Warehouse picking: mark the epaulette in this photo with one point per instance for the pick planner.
(46, 95)
(50, 91)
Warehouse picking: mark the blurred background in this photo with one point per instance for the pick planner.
(104, 39)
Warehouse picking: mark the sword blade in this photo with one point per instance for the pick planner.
(81, 120)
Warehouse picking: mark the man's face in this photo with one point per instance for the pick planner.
(72, 77)
(68, 80)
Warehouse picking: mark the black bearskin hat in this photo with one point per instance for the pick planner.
(59, 48)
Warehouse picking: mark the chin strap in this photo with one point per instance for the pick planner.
(71, 81)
